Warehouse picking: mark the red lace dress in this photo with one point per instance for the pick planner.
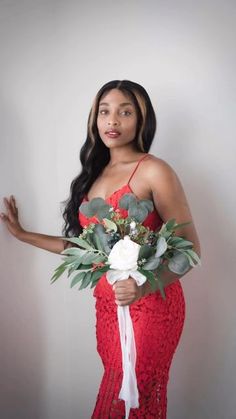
(157, 327)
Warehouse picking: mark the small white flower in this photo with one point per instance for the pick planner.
(133, 229)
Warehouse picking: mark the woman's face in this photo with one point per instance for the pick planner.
(117, 119)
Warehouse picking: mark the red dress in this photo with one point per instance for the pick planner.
(157, 327)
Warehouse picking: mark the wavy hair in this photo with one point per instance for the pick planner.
(94, 155)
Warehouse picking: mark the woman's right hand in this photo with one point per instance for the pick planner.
(43, 241)
(10, 218)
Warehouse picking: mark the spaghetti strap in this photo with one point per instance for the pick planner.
(136, 167)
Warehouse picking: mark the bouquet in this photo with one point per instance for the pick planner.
(118, 244)
(118, 239)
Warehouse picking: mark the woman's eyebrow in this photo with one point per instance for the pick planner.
(121, 104)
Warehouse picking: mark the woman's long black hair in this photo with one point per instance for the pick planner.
(94, 155)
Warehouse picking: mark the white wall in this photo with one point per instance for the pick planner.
(55, 55)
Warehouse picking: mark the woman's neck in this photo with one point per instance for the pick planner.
(123, 154)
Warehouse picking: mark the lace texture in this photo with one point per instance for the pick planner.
(157, 327)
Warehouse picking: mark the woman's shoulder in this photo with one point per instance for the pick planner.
(155, 166)
(160, 177)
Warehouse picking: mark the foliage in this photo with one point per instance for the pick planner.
(162, 250)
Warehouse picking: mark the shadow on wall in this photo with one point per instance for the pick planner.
(211, 346)
(21, 344)
(206, 356)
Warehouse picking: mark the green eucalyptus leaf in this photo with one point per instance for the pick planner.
(150, 277)
(98, 207)
(89, 240)
(170, 224)
(98, 257)
(104, 269)
(127, 200)
(173, 241)
(181, 225)
(145, 252)
(87, 210)
(71, 259)
(80, 242)
(137, 212)
(152, 263)
(104, 212)
(110, 225)
(184, 243)
(161, 246)
(166, 234)
(86, 280)
(147, 204)
(191, 262)
(97, 241)
(194, 256)
(78, 277)
(179, 263)
(73, 268)
(89, 258)
(161, 268)
(85, 267)
(99, 229)
(58, 272)
(102, 237)
(96, 204)
(96, 275)
(161, 287)
(74, 251)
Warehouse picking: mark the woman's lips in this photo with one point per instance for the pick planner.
(112, 134)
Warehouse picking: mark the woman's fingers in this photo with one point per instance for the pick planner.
(13, 203)
(126, 292)
(10, 216)
(14, 207)
(7, 205)
(12, 211)
(124, 303)
(3, 216)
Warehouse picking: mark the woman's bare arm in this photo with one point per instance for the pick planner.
(170, 201)
(11, 220)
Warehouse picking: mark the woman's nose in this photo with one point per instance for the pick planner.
(113, 120)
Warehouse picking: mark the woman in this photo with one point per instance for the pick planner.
(115, 161)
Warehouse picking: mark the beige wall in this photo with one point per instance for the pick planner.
(54, 57)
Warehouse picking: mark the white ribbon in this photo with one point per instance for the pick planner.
(129, 389)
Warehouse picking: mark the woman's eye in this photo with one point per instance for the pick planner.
(103, 111)
(126, 113)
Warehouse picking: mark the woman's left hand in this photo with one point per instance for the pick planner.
(127, 291)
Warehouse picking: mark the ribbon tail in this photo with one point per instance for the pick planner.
(129, 389)
(127, 410)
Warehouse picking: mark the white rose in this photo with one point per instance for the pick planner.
(124, 255)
